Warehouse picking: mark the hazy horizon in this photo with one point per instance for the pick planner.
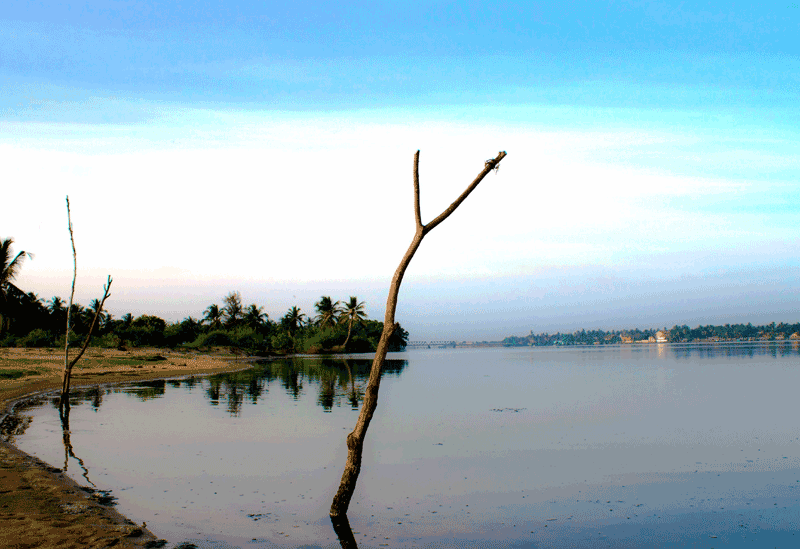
(650, 181)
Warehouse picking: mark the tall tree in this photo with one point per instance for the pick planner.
(9, 269)
(353, 314)
(96, 309)
(254, 316)
(56, 305)
(213, 315)
(292, 320)
(58, 312)
(233, 308)
(127, 320)
(328, 312)
(355, 440)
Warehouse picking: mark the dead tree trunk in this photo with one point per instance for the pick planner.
(355, 440)
(67, 364)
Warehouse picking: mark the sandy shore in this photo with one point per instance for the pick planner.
(39, 505)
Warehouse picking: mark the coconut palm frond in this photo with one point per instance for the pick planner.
(9, 268)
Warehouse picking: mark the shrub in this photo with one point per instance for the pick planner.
(74, 339)
(282, 342)
(323, 340)
(247, 338)
(108, 341)
(219, 338)
(36, 338)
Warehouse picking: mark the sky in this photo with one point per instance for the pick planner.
(267, 148)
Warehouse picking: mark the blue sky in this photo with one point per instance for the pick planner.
(266, 147)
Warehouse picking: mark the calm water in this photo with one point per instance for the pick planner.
(634, 446)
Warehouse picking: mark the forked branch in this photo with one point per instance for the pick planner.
(67, 363)
(355, 440)
(489, 165)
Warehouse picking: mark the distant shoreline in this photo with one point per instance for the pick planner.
(677, 334)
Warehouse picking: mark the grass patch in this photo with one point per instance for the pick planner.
(5, 361)
(93, 362)
(16, 374)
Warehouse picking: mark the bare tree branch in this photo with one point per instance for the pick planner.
(355, 440)
(67, 363)
(72, 292)
(489, 166)
(417, 215)
(68, 369)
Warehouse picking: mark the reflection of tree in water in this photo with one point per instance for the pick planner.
(327, 392)
(233, 387)
(214, 390)
(95, 396)
(69, 452)
(729, 350)
(147, 390)
(292, 383)
(235, 398)
(343, 531)
(339, 381)
(189, 382)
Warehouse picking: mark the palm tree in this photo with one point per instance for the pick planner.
(79, 318)
(353, 314)
(255, 316)
(233, 308)
(9, 268)
(127, 320)
(327, 312)
(56, 304)
(107, 324)
(293, 319)
(58, 311)
(93, 309)
(213, 315)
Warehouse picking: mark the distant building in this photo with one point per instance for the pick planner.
(662, 336)
(626, 339)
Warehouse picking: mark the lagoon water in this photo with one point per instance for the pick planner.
(618, 446)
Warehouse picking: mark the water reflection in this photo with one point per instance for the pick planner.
(147, 390)
(732, 350)
(339, 382)
(344, 532)
(533, 442)
(69, 451)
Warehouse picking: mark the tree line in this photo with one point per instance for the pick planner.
(336, 327)
(677, 334)
(29, 321)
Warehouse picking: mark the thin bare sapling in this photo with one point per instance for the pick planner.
(64, 401)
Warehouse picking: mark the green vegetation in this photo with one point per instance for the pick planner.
(9, 268)
(678, 334)
(16, 374)
(31, 322)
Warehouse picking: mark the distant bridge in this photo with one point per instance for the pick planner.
(431, 344)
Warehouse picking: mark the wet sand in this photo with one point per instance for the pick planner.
(40, 506)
